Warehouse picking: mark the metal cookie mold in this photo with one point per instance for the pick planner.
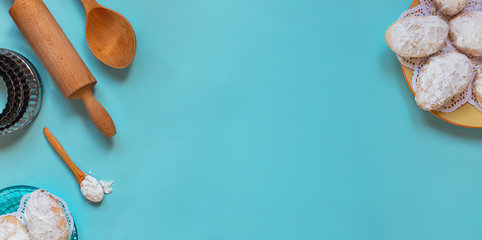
(24, 91)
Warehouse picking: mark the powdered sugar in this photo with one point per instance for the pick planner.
(94, 190)
(106, 186)
(45, 217)
(417, 36)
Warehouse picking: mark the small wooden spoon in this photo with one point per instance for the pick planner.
(79, 174)
(110, 36)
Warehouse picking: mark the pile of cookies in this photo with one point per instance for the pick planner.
(44, 217)
(445, 74)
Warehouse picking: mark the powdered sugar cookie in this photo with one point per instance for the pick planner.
(441, 78)
(12, 229)
(450, 7)
(45, 217)
(466, 32)
(477, 88)
(417, 36)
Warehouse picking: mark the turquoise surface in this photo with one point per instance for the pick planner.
(254, 119)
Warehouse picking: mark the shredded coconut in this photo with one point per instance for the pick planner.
(12, 229)
(45, 217)
(444, 76)
(466, 32)
(450, 7)
(417, 36)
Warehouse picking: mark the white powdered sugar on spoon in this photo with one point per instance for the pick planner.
(94, 190)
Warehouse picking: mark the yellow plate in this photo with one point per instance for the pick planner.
(465, 116)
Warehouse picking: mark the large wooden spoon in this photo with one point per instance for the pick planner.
(110, 36)
(79, 174)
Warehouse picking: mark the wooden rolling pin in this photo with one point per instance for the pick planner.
(60, 59)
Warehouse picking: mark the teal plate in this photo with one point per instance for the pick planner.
(10, 198)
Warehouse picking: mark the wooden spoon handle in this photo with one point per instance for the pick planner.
(79, 174)
(90, 4)
(97, 112)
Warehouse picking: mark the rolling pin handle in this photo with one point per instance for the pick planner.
(97, 112)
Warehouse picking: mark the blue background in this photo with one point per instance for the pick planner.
(253, 119)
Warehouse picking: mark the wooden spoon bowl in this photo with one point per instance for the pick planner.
(110, 36)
